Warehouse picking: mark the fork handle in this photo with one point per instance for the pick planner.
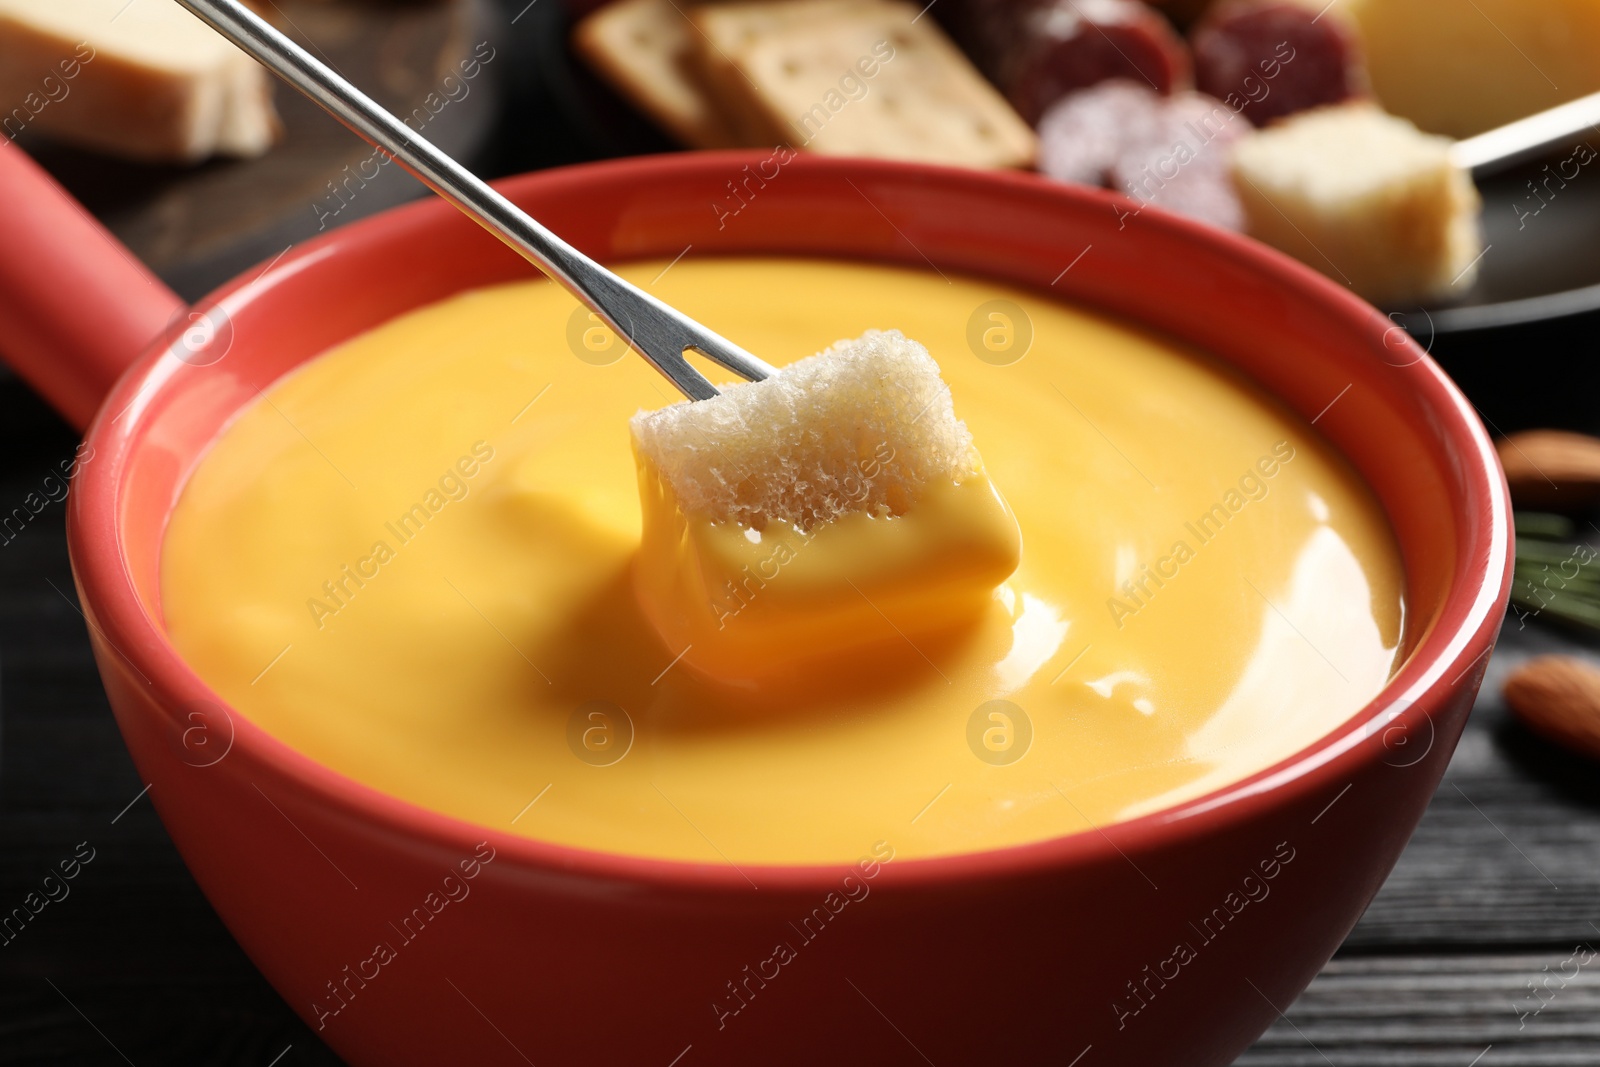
(653, 329)
(1528, 138)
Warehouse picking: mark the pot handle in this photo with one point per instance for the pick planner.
(76, 307)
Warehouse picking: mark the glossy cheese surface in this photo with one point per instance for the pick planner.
(413, 561)
(763, 608)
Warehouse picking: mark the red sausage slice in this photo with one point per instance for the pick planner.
(1170, 151)
(1272, 58)
(1038, 51)
(1181, 161)
(1082, 135)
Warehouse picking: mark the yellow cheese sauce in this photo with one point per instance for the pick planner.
(413, 563)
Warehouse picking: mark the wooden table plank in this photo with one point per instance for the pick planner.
(1509, 851)
(133, 944)
(1433, 1011)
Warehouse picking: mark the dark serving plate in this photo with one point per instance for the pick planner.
(1541, 259)
(1521, 342)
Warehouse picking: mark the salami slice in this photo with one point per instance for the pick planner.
(1172, 151)
(1181, 161)
(1083, 134)
(1272, 58)
(1038, 51)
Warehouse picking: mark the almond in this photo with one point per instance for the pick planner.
(1558, 697)
(1553, 469)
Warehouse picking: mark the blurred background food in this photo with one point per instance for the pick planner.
(1039, 52)
(151, 82)
(1460, 69)
(195, 157)
(1310, 59)
(1366, 198)
(1158, 101)
(203, 166)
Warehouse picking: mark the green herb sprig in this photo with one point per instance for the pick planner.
(1556, 576)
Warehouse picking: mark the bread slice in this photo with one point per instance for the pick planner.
(806, 445)
(1367, 199)
(646, 50)
(143, 79)
(863, 78)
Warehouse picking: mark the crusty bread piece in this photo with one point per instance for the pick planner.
(784, 522)
(646, 50)
(737, 100)
(807, 445)
(720, 36)
(144, 79)
(861, 77)
(1365, 198)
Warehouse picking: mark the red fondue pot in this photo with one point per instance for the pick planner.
(1149, 942)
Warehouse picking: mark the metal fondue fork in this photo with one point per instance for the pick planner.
(1528, 138)
(659, 333)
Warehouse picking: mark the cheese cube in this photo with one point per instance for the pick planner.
(1365, 198)
(837, 505)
